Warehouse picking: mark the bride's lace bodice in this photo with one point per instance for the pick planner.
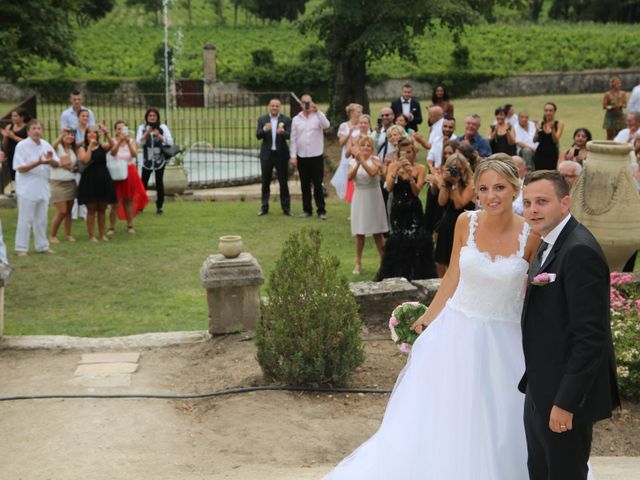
(490, 288)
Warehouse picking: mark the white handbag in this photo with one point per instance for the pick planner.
(118, 169)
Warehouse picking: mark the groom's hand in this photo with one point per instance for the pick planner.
(560, 420)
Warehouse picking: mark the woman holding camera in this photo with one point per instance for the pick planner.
(456, 194)
(408, 251)
(96, 189)
(368, 216)
(130, 192)
(501, 135)
(578, 151)
(13, 133)
(152, 135)
(345, 132)
(63, 184)
(548, 133)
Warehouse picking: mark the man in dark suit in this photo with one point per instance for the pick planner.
(408, 106)
(274, 130)
(570, 379)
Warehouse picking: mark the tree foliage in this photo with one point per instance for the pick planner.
(274, 9)
(35, 29)
(623, 11)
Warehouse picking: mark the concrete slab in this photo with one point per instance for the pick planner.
(106, 357)
(108, 381)
(105, 369)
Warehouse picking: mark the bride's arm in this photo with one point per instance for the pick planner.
(533, 243)
(450, 280)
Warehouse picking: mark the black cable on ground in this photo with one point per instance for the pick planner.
(179, 396)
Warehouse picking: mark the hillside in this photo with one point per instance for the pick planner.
(123, 45)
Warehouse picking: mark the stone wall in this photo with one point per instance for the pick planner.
(588, 81)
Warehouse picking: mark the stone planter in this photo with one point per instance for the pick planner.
(175, 180)
(606, 201)
(230, 245)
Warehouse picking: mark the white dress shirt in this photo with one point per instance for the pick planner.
(307, 135)
(634, 100)
(406, 106)
(624, 136)
(69, 118)
(274, 131)
(34, 184)
(552, 237)
(436, 131)
(435, 154)
(526, 136)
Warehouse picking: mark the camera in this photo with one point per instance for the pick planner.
(379, 121)
(307, 105)
(154, 125)
(453, 171)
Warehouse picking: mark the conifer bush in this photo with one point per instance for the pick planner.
(308, 333)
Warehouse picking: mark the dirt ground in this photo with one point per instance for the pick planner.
(219, 438)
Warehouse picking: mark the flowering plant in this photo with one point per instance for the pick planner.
(402, 317)
(625, 328)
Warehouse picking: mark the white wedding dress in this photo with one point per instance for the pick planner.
(455, 412)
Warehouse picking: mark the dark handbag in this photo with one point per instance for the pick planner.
(170, 151)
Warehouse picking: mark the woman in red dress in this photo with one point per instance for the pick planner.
(132, 197)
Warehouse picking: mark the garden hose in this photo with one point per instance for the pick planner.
(180, 396)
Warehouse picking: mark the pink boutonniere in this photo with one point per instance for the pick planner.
(543, 279)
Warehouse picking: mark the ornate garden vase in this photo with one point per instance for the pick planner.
(606, 201)
(175, 180)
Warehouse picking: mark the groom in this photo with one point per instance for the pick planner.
(570, 379)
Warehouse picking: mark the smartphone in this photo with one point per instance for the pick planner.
(125, 131)
(307, 105)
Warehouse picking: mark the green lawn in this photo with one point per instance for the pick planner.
(150, 282)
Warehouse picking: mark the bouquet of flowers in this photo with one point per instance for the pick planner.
(403, 316)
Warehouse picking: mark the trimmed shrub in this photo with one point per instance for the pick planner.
(309, 330)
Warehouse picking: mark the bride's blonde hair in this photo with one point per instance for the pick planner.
(503, 165)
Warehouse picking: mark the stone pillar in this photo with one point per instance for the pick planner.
(210, 75)
(233, 292)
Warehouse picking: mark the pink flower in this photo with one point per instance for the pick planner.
(543, 278)
(393, 322)
(638, 304)
(404, 347)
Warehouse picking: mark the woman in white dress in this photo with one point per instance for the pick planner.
(345, 131)
(368, 215)
(455, 412)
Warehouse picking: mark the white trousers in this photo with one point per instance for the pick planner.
(3, 248)
(32, 214)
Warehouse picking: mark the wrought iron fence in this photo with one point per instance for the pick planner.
(219, 140)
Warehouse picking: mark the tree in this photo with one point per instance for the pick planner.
(90, 10)
(356, 33)
(35, 29)
(625, 11)
(275, 9)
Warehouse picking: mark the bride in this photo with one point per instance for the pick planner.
(455, 412)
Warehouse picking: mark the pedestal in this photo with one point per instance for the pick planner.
(233, 292)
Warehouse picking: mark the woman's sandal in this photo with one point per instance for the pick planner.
(111, 232)
(130, 230)
(357, 270)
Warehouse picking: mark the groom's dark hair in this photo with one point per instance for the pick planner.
(559, 183)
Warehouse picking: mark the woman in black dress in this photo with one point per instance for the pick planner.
(408, 251)
(501, 135)
(548, 133)
(96, 189)
(13, 133)
(456, 194)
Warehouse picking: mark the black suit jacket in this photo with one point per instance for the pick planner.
(282, 146)
(414, 106)
(566, 331)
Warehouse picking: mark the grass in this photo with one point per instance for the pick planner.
(150, 282)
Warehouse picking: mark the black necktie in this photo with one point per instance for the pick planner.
(537, 261)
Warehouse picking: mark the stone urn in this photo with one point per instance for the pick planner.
(230, 245)
(606, 201)
(175, 180)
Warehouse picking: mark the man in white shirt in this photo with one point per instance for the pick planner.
(525, 131)
(32, 161)
(633, 105)
(307, 149)
(69, 118)
(434, 157)
(629, 134)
